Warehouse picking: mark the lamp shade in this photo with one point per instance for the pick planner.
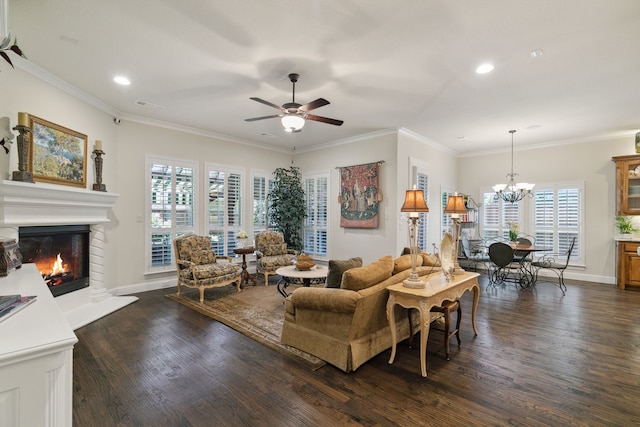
(455, 205)
(292, 122)
(414, 202)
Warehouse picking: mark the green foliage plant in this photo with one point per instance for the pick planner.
(625, 225)
(287, 207)
(6, 46)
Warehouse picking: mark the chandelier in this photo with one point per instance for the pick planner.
(513, 192)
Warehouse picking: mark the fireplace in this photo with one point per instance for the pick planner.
(61, 254)
(24, 205)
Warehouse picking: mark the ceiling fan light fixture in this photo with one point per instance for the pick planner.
(292, 122)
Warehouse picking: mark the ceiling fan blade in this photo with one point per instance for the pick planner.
(314, 104)
(270, 104)
(262, 118)
(323, 119)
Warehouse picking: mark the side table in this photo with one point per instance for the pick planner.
(437, 291)
(245, 277)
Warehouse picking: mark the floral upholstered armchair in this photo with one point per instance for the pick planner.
(272, 253)
(198, 267)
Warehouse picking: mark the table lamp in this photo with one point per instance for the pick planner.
(455, 207)
(414, 204)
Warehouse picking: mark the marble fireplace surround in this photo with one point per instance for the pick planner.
(25, 204)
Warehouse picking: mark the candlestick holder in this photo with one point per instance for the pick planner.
(22, 174)
(97, 159)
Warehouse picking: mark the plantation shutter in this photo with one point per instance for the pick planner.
(171, 206)
(495, 215)
(557, 218)
(315, 226)
(422, 183)
(224, 209)
(259, 204)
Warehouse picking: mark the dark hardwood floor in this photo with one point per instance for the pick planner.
(540, 359)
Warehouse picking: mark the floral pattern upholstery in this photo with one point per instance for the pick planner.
(272, 253)
(197, 265)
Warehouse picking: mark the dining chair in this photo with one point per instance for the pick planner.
(556, 263)
(524, 240)
(503, 268)
(474, 251)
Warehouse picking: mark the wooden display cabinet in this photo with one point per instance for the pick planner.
(628, 184)
(628, 273)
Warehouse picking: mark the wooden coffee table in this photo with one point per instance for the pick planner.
(291, 275)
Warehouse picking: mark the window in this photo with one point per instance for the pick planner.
(314, 234)
(422, 181)
(261, 185)
(446, 218)
(171, 208)
(224, 208)
(495, 214)
(557, 218)
(420, 178)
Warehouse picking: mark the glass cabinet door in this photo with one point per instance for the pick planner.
(633, 187)
(628, 185)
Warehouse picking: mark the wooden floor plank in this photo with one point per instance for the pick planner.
(540, 359)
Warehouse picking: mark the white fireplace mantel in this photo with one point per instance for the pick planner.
(29, 204)
(24, 204)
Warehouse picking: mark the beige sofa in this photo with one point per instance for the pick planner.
(348, 326)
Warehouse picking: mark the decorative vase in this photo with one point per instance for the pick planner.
(513, 236)
(241, 243)
(304, 262)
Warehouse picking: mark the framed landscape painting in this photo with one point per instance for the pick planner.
(56, 154)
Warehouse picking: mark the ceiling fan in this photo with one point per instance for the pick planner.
(292, 114)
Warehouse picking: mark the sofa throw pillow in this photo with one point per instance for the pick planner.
(403, 263)
(337, 268)
(430, 260)
(277, 249)
(203, 257)
(359, 278)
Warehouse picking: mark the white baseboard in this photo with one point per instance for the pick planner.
(135, 288)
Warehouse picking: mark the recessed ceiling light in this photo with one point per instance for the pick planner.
(462, 138)
(484, 68)
(122, 80)
(536, 53)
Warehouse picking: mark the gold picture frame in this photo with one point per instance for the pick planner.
(57, 155)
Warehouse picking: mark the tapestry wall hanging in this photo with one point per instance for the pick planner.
(359, 196)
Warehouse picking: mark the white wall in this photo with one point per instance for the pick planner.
(124, 171)
(441, 169)
(395, 148)
(135, 142)
(370, 244)
(23, 92)
(590, 162)
(127, 144)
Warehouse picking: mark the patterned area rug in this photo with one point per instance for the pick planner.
(257, 312)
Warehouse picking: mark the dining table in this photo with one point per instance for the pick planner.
(527, 273)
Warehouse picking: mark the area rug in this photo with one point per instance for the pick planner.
(257, 312)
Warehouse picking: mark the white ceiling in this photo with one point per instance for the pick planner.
(381, 63)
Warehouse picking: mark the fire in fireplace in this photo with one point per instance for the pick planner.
(61, 254)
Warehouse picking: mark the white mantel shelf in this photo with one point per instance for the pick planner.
(25, 204)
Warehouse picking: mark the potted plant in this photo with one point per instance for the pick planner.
(6, 46)
(287, 208)
(625, 226)
(513, 231)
